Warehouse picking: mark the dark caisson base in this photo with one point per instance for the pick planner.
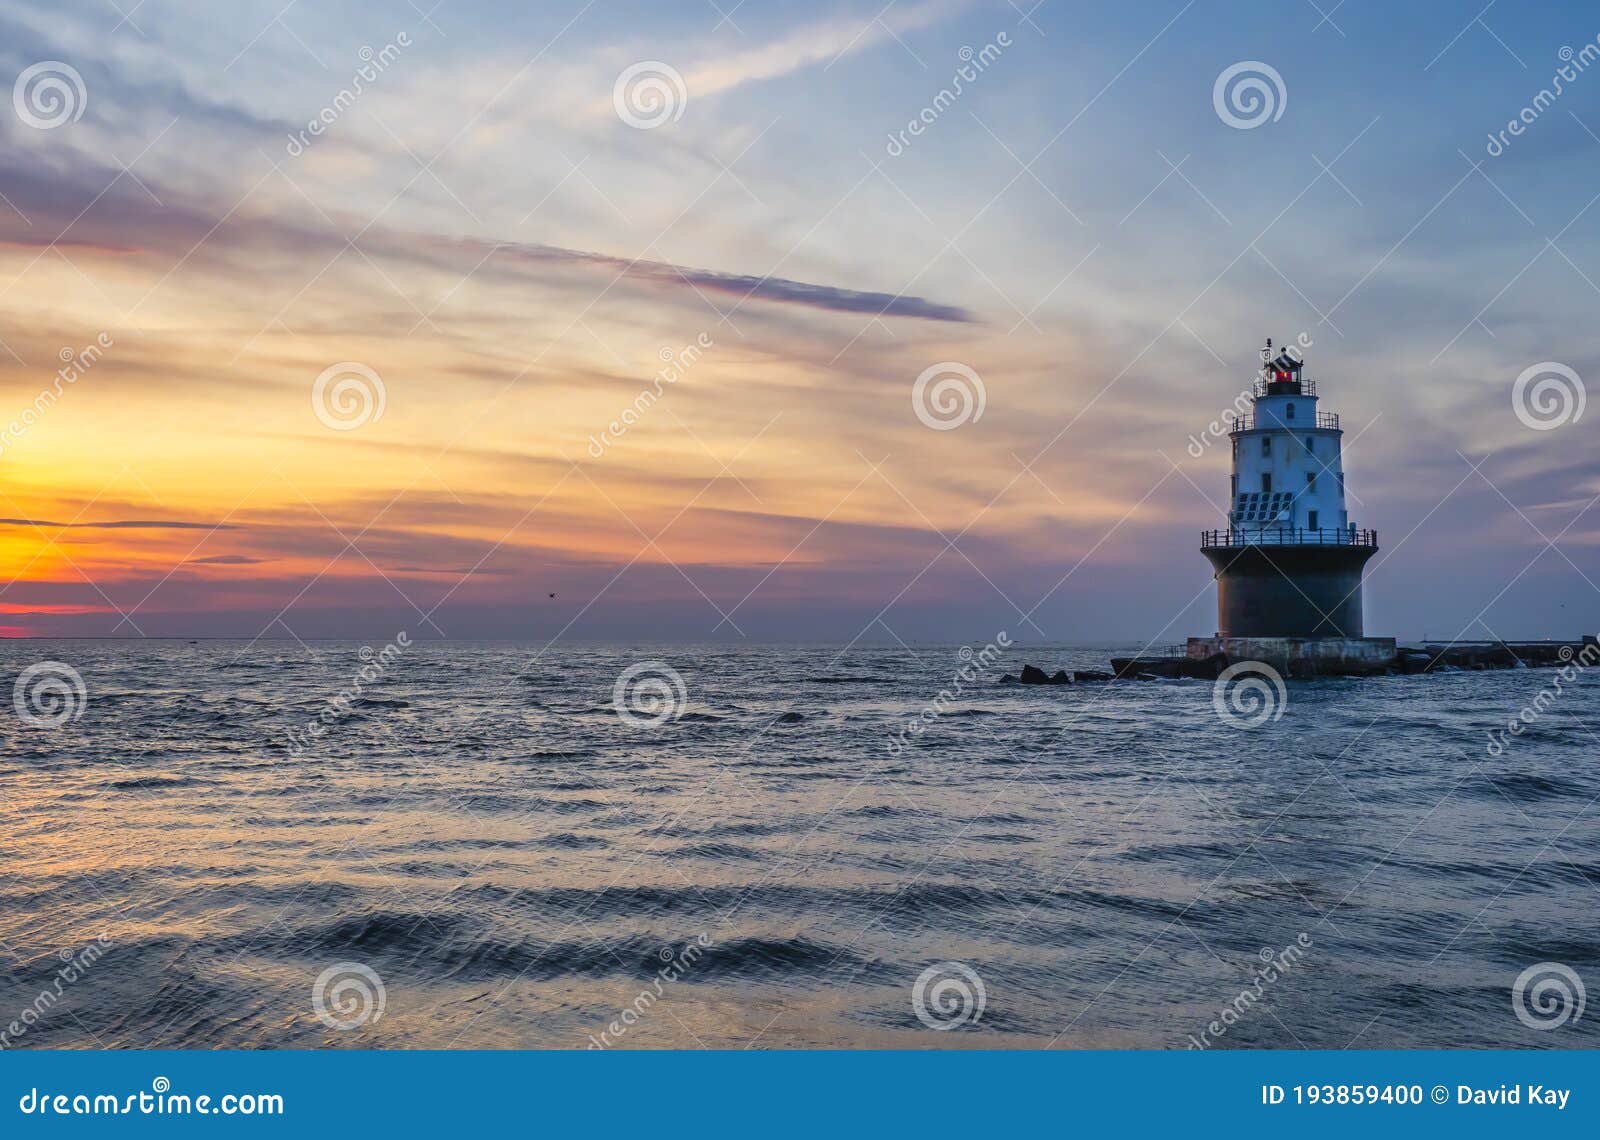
(1288, 591)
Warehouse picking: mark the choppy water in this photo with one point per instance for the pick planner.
(517, 864)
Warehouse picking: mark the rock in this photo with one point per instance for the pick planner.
(1008, 679)
(1156, 667)
(1082, 675)
(1060, 678)
(1032, 676)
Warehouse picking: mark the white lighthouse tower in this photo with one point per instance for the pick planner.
(1288, 566)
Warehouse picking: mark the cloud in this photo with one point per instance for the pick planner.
(777, 289)
(126, 85)
(109, 219)
(805, 47)
(123, 524)
(227, 560)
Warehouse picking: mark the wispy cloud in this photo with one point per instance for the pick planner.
(777, 289)
(122, 524)
(110, 218)
(816, 43)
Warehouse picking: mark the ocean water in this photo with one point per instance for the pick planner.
(480, 850)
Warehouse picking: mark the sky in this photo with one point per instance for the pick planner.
(360, 379)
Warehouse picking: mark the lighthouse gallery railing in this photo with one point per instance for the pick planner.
(1324, 420)
(1287, 536)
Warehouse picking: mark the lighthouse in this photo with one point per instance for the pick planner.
(1289, 563)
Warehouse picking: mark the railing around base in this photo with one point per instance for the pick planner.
(1287, 536)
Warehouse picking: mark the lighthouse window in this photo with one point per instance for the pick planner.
(1310, 450)
(1288, 412)
(1266, 445)
(1311, 480)
(1266, 483)
(1311, 520)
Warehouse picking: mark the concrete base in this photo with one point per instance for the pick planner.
(1303, 656)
